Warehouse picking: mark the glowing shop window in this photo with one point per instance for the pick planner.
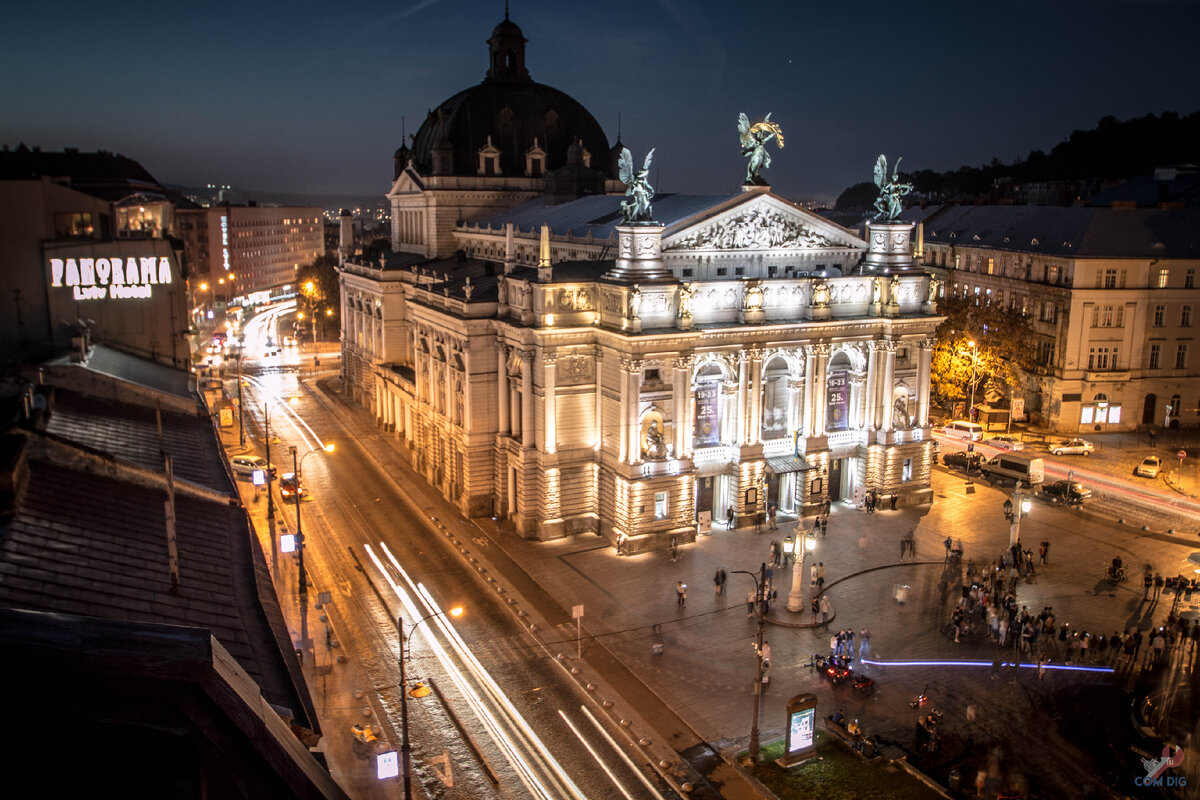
(660, 505)
(1086, 414)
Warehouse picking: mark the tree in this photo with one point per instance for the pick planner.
(1005, 348)
(859, 197)
(319, 295)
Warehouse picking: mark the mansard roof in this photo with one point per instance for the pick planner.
(1073, 232)
(598, 215)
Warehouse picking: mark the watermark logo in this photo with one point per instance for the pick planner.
(1155, 767)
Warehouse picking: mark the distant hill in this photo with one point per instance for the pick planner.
(1113, 150)
(239, 196)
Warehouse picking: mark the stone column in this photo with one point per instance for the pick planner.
(599, 399)
(858, 401)
(808, 410)
(549, 369)
(755, 410)
(743, 423)
(680, 393)
(872, 384)
(527, 398)
(889, 378)
(820, 392)
(631, 387)
(924, 367)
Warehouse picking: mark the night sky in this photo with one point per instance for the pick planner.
(308, 97)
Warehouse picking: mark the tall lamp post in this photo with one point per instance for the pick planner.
(795, 603)
(760, 582)
(302, 585)
(405, 749)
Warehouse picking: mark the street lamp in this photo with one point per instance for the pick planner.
(795, 603)
(760, 581)
(302, 585)
(405, 749)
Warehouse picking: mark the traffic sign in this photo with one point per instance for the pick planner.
(1182, 454)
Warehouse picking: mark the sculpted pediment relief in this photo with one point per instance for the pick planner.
(763, 224)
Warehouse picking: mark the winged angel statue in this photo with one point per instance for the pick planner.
(638, 191)
(887, 205)
(754, 145)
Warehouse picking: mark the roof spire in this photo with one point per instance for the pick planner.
(505, 9)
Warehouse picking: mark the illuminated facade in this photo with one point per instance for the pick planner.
(1111, 294)
(263, 246)
(545, 364)
(780, 361)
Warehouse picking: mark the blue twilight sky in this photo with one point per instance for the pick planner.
(305, 96)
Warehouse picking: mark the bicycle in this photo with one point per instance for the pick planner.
(1115, 576)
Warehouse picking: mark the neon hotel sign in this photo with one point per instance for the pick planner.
(115, 277)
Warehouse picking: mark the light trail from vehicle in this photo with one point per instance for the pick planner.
(594, 754)
(536, 767)
(624, 757)
(944, 663)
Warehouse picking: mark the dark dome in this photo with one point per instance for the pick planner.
(514, 111)
(513, 115)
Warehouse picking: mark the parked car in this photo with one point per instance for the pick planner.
(289, 487)
(1073, 447)
(1149, 468)
(963, 460)
(962, 429)
(246, 466)
(1006, 442)
(1069, 492)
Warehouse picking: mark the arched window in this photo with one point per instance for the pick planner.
(775, 399)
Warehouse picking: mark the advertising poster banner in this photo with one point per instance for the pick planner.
(838, 403)
(707, 433)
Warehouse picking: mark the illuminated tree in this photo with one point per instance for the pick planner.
(1005, 347)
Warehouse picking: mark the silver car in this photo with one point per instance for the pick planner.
(1073, 447)
(246, 466)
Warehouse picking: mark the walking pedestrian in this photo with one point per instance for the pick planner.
(750, 603)
(893, 501)
(824, 525)
(719, 582)
(620, 544)
(1044, 551)
(681, 593)
(901, 596)
(771, 517)
(812, 573)
(729, 519)
(1147, 583)
(816, 609)
(864, 646)
(1158, 584)
(826, 609)
(820, 576)
(903, 546)
(826, 506)
(674, 548)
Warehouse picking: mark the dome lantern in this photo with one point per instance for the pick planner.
(507, 53)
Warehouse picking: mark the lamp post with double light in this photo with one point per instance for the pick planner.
(302, 585)
(405, 749)
(760, 584)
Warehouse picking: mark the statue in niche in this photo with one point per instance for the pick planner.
(894, 291)
(635, 208)
(502, 289)
(934, 285)
(887, 204)
(686, 293)
(654, 446)
(635, 302)
(876, 290)
(754, 139)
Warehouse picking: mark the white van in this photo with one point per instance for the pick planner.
(1030, 471)
(961, 429)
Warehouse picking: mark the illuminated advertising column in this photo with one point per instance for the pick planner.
(800, 743)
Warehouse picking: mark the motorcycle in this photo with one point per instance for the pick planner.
(920, 699)
(863, 683)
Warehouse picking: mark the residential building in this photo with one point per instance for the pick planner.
(1110, 293)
